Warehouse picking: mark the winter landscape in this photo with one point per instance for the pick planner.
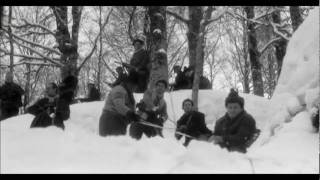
(288, 142)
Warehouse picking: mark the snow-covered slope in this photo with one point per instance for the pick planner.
(287, 144)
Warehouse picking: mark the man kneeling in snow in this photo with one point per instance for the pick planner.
(236, 130)
(154, 109)
(44, 109)
(192, 123)
(119, 107)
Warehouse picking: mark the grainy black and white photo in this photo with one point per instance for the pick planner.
(159, 89)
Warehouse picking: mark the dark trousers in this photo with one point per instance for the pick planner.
(43, 120)
(112, 123)
(137, 130)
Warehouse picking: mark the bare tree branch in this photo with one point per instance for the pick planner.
(38, 53)
(130, 22)
(27, 23)
(275, 29)
(23, 55)
(178, 16)
(269, 44)
(95, 43)
(33, 43)
(221, 14)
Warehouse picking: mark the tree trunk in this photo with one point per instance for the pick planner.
(1, 17)
(254, 54)
(198, 70)
(246, 78)
(158, 46)
(11, 40)
(296, 17)
(27, 87)
(281, 45)
(68, 45)
(195, 17)
(100, 50)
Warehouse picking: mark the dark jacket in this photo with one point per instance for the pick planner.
(10, 100)
(113, 120)
(42, 110)
(235, 132)
(204, 83)
(94, 94)
(10, 95)
(181, 81)
(66, 94)
(195, 123)
(141, 61)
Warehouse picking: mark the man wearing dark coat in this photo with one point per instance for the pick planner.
(10, 98)
(192, 123)
(236, 128)
(119, 109)
(181, 81)
(66, 91)
(44, 108)
(140, 64)
(93, 95)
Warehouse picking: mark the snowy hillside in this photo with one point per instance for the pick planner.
(287, 144)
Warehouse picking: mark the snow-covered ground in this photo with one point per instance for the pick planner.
(287, 144)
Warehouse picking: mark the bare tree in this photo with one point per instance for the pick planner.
(197, 22)
(157, 37)
(296, 17)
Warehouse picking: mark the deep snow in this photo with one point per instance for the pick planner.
(287, 144)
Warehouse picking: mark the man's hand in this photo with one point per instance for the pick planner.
(216, 139)
(182, 128)
(132, 116)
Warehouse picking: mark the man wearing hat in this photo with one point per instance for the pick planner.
(236, 128)
(140, 64)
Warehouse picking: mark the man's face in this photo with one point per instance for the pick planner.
(233, 109)
(137, 45)
(51, 91)
(160, 88)
(187, 106)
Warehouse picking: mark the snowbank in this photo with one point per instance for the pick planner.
(298, 84)
(80, 150)
(290, 146)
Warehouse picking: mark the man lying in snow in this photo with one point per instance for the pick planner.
(44, 109)
(119, 107)
(192, 123)
(153, 109)
(236, 130)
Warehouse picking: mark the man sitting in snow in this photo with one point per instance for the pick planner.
(44, 108)
(236, 129)
(119, 108)
(192, 123)
(154, 109)
(140, 64)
